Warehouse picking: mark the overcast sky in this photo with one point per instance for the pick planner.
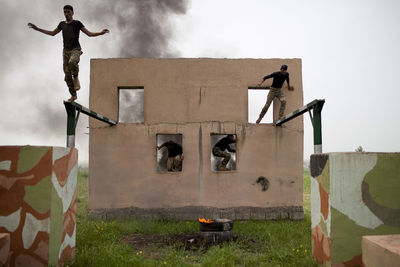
(349, 51)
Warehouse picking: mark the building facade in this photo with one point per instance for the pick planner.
(193, 102)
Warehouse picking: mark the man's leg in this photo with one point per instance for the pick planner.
(73, 66)
(170, 162)
(227, 158)
(177, 166)
(219, 153)
(68, 75)
(282, 99)
(270, 97)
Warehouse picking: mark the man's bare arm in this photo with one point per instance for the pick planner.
(36, 28)
(163, 145)
(93, 34)
(291, 88)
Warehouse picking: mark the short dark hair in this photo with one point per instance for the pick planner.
(284, 67)
(69, 7)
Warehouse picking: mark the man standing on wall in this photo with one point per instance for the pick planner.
(275, 90)
(219, 151)
(72, 49)
(175, 156)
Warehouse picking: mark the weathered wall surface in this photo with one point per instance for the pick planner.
(193, 97)
(352, 195)
(38, 203)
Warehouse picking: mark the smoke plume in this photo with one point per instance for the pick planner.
(32, 81)
(143, 27)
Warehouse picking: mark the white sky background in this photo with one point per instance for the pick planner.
(349, 51)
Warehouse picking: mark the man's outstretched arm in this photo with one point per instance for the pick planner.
(93, 34)
(36, 28)
(265, 78)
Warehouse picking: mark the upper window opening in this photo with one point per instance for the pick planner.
(131, 104)
(256, 101)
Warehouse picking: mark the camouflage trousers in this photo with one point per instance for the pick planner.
(223, 154)
(71, 67)
(274, 92)
(174, 163)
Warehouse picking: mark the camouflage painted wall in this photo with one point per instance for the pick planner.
(38, 203)
(352, 194)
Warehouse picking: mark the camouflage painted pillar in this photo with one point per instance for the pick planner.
(352, 195)
(38, 203)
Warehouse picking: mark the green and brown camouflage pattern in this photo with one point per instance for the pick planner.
(352, 195)
(38, 188)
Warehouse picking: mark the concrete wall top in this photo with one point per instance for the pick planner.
(181, 90)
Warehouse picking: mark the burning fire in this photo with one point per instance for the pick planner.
(202, 220)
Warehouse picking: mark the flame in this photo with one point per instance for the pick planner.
(202, 220)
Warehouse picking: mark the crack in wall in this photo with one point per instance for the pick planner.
(201, 178)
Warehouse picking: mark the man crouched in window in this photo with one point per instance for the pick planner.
(175, 156)
(219, 151)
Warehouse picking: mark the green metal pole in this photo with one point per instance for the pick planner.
(316, 105)
(71, 124)
(72, 119)
(317, 127)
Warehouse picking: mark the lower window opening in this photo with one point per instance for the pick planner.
(223, 152)
(169, 152)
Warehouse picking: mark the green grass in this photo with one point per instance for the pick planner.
(259, 243)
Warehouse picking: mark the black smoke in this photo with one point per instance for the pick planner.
(143, 27)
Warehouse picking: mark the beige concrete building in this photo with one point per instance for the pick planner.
(193, 102)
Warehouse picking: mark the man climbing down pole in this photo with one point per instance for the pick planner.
(72, 49)
(275, 90)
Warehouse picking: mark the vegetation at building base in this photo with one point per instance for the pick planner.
(257, 243)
